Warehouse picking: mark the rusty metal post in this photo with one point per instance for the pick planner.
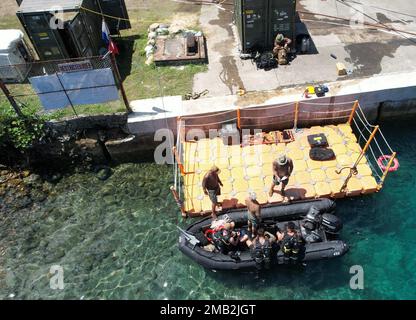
(370, 139)
(181, 131)
(354, 109)
(386, 171)
(9, 97)
(178, 201)
(238, 118)
(118, 76)
(178, 160)
(353, 169)
(295, 121)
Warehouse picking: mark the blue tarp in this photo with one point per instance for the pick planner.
(82, 87)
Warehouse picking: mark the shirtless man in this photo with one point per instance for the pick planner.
(282, 169)
(253, 213)
(211, 186)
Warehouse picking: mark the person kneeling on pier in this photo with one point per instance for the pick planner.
(290, 243)
(261, 248)
(281, 48)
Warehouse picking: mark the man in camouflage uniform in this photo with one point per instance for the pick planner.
(281, 48)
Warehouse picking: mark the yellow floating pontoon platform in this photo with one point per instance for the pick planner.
(249, 168)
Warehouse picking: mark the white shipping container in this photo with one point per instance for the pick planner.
(15, 57)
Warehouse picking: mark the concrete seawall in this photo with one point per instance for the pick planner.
(129, 138)
(381, 97)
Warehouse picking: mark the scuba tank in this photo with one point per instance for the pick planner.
(290, 248)
(262, 254)
(221, 240)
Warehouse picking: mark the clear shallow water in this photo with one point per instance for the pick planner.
(117, 240)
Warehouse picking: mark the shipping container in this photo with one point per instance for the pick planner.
(116, 8)
(15, 56)
(259, 21)
(77, 33)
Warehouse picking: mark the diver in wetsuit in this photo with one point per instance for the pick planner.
(261, 248)
(290, 243)
(225, 240)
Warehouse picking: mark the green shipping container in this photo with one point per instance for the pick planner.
(259, 21)
(80, 34)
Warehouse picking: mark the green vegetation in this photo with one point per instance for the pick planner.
(21, 132)
(140, 81)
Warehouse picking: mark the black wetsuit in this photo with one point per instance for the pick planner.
(291, 247)
(262, 253)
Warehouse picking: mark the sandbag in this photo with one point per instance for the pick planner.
(321, 154)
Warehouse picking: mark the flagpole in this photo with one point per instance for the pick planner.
(118, 76)
(111, 49)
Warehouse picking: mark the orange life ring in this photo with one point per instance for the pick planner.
(383, 158)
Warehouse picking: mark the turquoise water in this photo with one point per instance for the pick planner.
(117, 240)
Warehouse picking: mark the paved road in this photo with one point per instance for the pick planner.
(365, 51)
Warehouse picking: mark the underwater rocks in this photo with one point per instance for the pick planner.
(20, 190)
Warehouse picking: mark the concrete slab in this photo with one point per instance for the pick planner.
(365, 51)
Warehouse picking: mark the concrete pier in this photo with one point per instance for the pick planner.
(379, 96)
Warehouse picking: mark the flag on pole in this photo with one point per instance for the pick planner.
(107, 39)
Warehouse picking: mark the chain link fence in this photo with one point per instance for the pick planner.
(16, 78)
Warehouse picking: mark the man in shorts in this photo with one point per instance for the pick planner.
(253, 213)
(211, 184)
(282, 169)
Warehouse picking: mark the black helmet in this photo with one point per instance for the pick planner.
(290, 225)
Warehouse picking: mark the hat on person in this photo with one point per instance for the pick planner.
(280, 37)
(282, 160)
(215, 169)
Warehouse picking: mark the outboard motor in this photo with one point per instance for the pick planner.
(312, 219)
(310, 226)
(332, 224)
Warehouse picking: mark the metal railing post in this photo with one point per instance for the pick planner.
(386, 171)
(295, 121)
(178, 201)
(120, 82)
(354, 108)
(238, 118)
(353, 169)
(9, 97)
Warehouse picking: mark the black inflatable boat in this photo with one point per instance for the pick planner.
(314, 220)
